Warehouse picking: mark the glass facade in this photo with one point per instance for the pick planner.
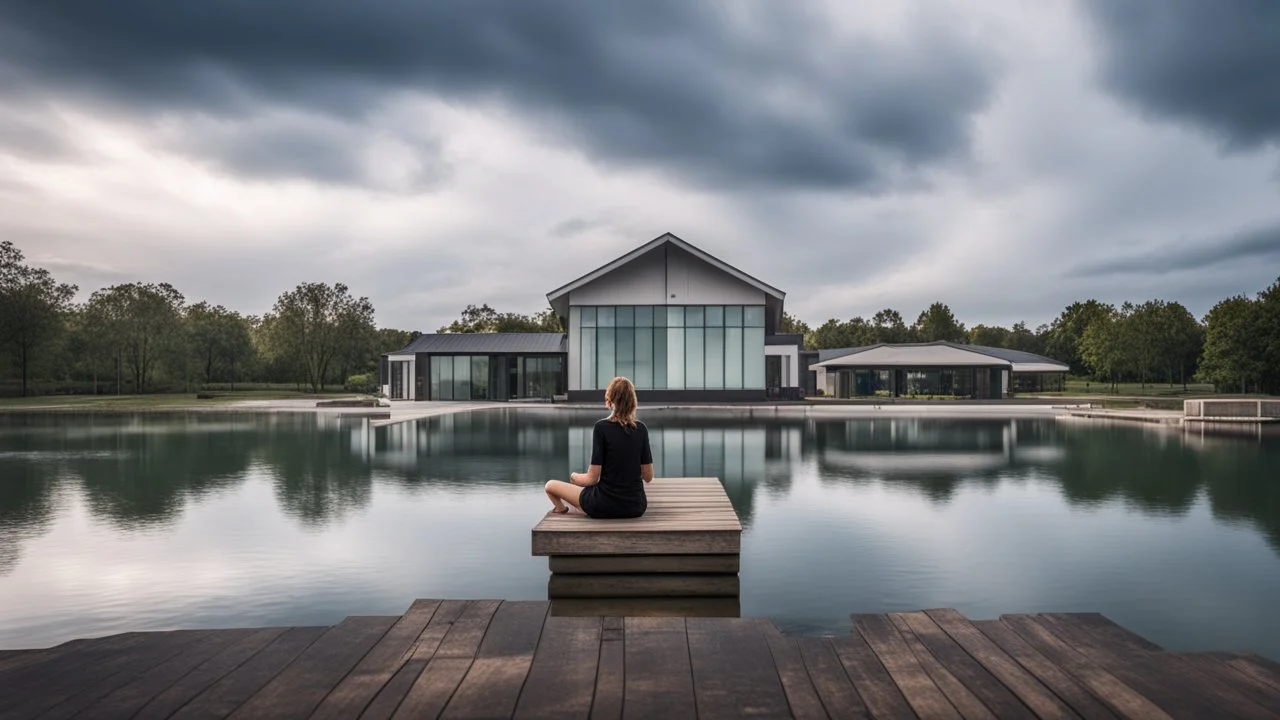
(669, 347)
(495, 377)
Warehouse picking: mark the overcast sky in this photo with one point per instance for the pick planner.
(1004, 157)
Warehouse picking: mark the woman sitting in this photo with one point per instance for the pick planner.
(621, 463)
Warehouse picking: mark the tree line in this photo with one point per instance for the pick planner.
(146, 337)
(1236, 346)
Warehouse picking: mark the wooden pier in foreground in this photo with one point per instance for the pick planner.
(686, 545)
(493, 659)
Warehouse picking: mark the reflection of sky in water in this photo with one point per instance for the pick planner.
(112, 524)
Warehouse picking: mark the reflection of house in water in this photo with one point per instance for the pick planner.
(912, 446)
(741, 456)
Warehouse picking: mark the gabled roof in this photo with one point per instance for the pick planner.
(664, 239)
(485, 343)
(915, 354)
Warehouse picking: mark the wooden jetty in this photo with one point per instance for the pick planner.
(687, 544)
(493, 659)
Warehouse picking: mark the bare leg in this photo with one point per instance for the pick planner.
(560, 492)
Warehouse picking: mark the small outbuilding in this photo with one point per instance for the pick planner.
(936, 369)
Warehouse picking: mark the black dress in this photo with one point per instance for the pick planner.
(619, 451)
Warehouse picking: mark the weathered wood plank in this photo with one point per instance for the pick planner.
(1165, 678)
(222, 697)
(673, 542)
(1251, 687)
(562, 678)
(912, 679)
(629, 564)
(642, 586)
(350, 697)
(659, 679)
(1021, 682)
(877, 689)
(733, 670)
(58, 673)
(647, 607)
(492, 686)
(963, 698)
(115, 672)
(132, 696)
(300, 687)
(610, 680)
(387, 699)
(1255, 666)
(802, 697)
(986, 687)
(838, 695)
(440, 678)
(1120, 697)
(206, 674)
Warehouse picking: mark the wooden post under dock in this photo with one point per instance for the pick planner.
(493, 659)
(686, 546)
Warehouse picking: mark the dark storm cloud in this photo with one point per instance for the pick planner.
(1261, 244)
(1215, 64)
(768, 98)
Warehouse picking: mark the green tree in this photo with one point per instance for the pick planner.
(219, 342)
(32, 309)
(989, 336)
(1103, 347)
(793, 324)
(1232, 344)
(887, 326)
(144, 323)
(855, 332)
(1269, 336)
(1062, 342)
(390, 340)
(311, 326)
(938, 323)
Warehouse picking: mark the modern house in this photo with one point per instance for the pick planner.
(688, 327)
(937, 368)
(682, 324)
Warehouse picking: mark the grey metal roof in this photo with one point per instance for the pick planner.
(486, 343)
(1031, 361)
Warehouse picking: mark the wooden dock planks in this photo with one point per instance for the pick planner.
(488, 658)
(685, 516)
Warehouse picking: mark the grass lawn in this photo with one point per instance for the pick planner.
(158, 401)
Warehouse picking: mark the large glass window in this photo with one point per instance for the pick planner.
(644, 357)
(588, 317)
(435, 378)
(587, 359)
(753, 358)
(715, 358)
(624, 316)
(660, 358)
(446, 376)
(604, 317)
(675, 358)
(480, 377)
(733, 356)
(695, 358)
(462, 377)
(733, 316)
(644, 316)
(626, 357)
(675, 316)
(694, 316)
(753, 316)
(714, 315)
(606, 356)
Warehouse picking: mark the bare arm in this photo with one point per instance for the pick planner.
(590, 477)
(646, 472)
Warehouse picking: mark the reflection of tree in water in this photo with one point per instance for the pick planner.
(1243, 483)
(26, 505)
(318, 475)
(143, 470)
(1154, 471)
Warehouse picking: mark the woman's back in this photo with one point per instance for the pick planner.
(620, 450)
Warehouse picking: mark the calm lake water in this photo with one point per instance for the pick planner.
(110, 524)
